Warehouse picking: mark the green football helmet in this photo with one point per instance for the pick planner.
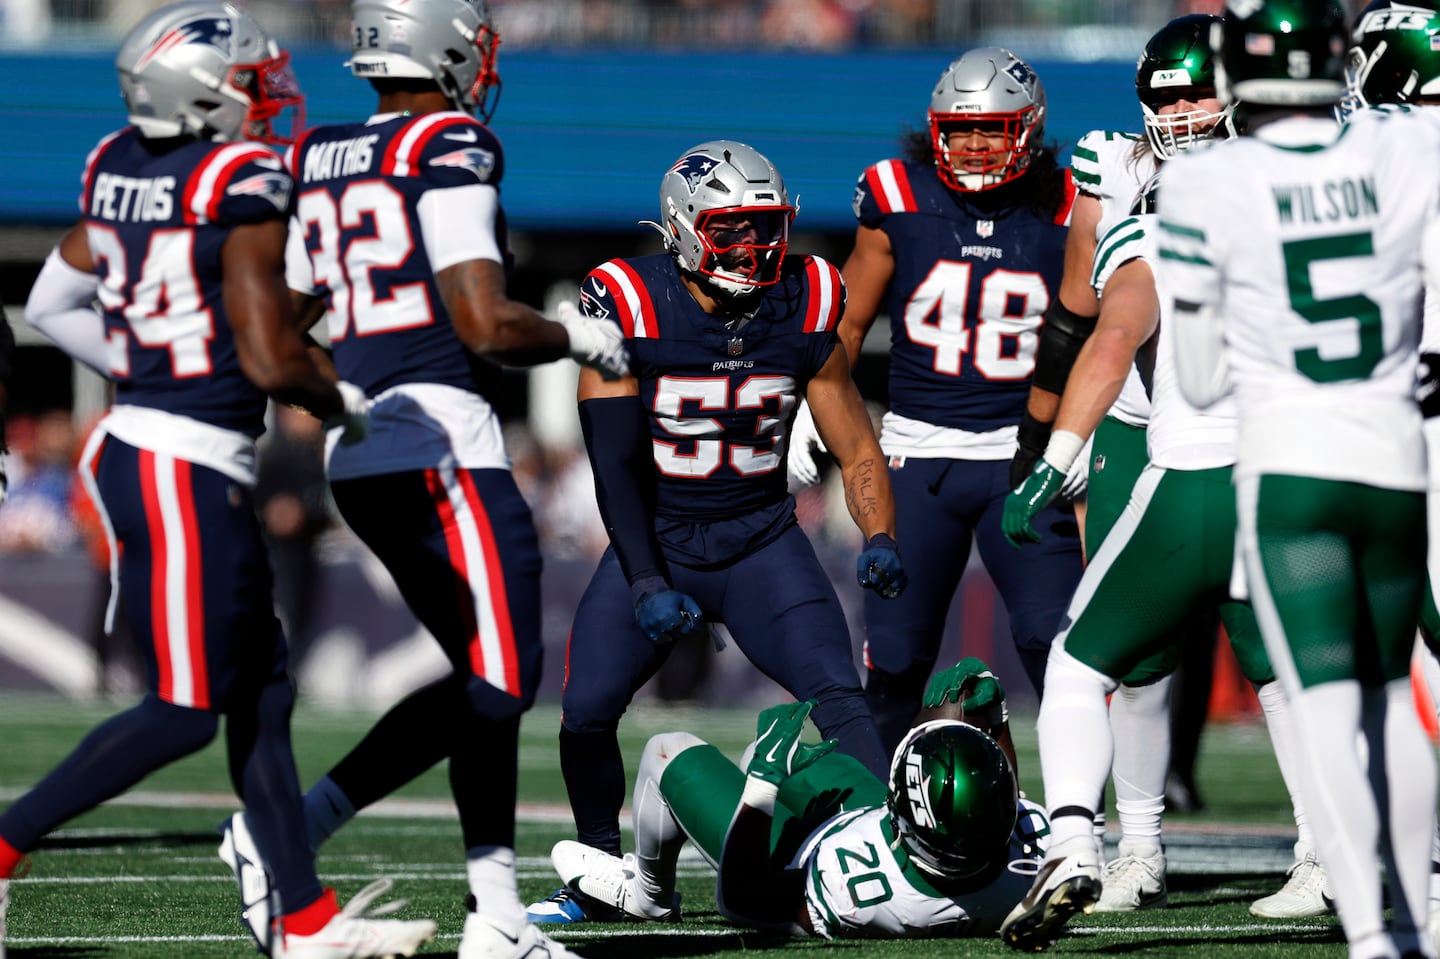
(1395, 57)
(1177, 63)
(1285, 53)
(952, 800)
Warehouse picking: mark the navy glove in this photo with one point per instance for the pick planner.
(664, 613)
(1027, 500)
(879, 567)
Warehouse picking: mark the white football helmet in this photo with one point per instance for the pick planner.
(452, 42)
(989, 85)
(725, 216)
(205, 68)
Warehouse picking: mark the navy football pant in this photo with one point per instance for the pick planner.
(461, 547)
(197, 587)
(941, 507)
(781, 611)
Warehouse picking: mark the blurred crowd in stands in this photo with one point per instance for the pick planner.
(701, 24)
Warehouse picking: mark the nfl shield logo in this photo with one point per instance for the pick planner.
(735, 345)
(985, 228)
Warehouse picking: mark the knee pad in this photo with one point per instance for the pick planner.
(907, 686)
(660, 751)
(1066, 676)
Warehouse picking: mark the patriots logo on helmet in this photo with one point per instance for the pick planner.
(477, 161)
(217, 32)
(693, 168)
(274, 187)
(1021, 72)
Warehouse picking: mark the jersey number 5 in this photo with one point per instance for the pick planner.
(712, 393)
(1002, 338)
(1356, 311)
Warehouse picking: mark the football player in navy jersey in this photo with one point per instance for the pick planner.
(399, 242)
(963, 243)
(726, 334)
(182, 238)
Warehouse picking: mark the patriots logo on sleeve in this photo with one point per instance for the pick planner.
(479, 162)
(210, 31)
(274, 187)
(693, 168)
(591, 302)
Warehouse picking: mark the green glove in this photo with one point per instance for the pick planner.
(969, 682)
(1029, 498)
(779, 753)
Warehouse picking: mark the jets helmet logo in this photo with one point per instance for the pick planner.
(915, 783)
(214, 32)
(694, 168)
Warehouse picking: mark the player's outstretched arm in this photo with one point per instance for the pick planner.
(971, 693)
(1129, 316)
(754, 888)
(490, 323)
(1069, 321)
(867, 273)
(616, 428)
(844, 425)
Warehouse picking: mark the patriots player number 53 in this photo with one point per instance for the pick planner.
(713, 394)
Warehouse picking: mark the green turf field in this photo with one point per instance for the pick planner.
(138, 879)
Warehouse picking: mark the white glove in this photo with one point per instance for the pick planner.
(1077, 480)
(800, 467)
(596, 343)
(354, 422)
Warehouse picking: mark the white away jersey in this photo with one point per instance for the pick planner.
(1106, 166)
(1301, 249)
(1179, 436)
(855, 886)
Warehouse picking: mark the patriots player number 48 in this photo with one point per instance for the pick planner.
(1001, 341)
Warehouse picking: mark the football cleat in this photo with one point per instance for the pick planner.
(353, 934)
(258, 902)
(609, 880)
(484, 940)
(1135, 879)
(1068, 882)
(1303, 894)
(566, 907)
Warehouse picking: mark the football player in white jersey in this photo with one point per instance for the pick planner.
(1175, 83)
(1294, 257)
(1167, 561)
(945, 850)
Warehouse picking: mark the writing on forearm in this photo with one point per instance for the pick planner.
(861, 496)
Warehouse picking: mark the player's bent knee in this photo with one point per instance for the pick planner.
(494, 703)
(1066, 675)
(661, 750)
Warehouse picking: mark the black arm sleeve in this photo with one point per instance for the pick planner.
(617, 437)
(1061, 338)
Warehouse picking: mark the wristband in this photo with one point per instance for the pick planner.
(758, 794)
(1064, 446)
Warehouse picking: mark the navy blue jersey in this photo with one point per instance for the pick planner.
(967, 298)
(720, 399)
(361, 208)
(156, 223)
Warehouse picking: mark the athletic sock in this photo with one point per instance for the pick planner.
(1140, 720)
(327, 808)
(490, 871)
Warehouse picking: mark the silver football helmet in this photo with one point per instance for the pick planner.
(995, 90)
(452, 42)
(205, 68)
(725, 216)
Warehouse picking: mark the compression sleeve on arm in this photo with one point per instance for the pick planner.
(1061, 338)
(60, 307)
(617, 438)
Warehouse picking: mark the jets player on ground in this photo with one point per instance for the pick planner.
(1167, 560)
(398, 239)
(726, 334)
(810, 843)
(1294, 258)
(182, 239)
(1175, 83)
(963, 241)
